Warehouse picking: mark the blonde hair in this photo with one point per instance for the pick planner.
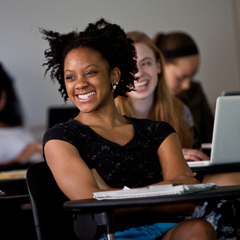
(165, 107)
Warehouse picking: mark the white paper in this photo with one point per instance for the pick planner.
(152, 191)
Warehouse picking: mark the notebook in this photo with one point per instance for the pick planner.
(153, 191)
(226, 133)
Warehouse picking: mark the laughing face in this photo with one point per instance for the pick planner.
(148, 70)
(88, 79)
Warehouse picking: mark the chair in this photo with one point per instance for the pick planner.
(51, 222)
(50, 219)
(61, 114)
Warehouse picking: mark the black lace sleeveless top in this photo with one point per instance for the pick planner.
(135, 164)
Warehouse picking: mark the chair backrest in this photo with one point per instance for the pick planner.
(51, 221)
(61, 114)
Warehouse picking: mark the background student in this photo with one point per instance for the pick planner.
(182, 58)
(151, 100)
(17, 144)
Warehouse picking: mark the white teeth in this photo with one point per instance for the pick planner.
(140, 84)
(85, 96)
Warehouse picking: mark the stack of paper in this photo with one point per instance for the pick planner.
(152, 191)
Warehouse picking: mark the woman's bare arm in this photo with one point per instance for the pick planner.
(172, 162)
(71, 173)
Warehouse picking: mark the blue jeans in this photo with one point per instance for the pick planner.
(147, 232)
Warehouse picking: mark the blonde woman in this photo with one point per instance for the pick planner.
(152, 99)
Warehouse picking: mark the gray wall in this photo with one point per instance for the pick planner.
(214, 25)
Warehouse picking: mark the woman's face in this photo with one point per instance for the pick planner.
(180, 73)
(87, 79)
(148, 70)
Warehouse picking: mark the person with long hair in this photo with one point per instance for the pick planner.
(151, 99)
(17, 144)
(100, 149)
(182, 61)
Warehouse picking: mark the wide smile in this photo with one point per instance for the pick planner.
(141, 85)
(85, 96)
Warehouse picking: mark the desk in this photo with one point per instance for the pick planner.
(13, 182)
(103, 209)
(90, 205)
(19, 199)
(16, 222)
(222, 168)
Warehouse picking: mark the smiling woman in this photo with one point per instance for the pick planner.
(88, 82)
(151, 98)
(100, 149)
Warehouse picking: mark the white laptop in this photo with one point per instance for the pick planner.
(226, 133)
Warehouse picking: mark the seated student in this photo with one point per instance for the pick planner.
(152, 100)
(101, 149)
(16, 142)
(182, 59)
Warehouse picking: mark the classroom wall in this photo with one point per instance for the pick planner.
(214, 25)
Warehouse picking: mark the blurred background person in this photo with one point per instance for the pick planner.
(153, 100)
(17, 144)
(182, 60)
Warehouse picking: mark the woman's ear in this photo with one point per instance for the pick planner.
(115, 75)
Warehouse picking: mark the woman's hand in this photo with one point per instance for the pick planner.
(101, 184)
(194, 155)
(186, 178)
(30, 149)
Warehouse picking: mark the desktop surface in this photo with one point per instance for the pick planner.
(91, 205)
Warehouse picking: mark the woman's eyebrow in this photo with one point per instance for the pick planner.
(68, 70)
(90, 65)
(146, 58)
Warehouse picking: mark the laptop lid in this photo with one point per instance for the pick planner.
(226, 131)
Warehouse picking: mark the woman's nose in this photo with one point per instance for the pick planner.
(81, 83)
(186, 84)
(139, 73)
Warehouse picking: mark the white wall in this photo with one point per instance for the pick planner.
(21, 46)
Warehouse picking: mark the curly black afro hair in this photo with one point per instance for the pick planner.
(108, 39)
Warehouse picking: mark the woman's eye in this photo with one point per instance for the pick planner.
(70, 77)
(146, 64)
(90, 72)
